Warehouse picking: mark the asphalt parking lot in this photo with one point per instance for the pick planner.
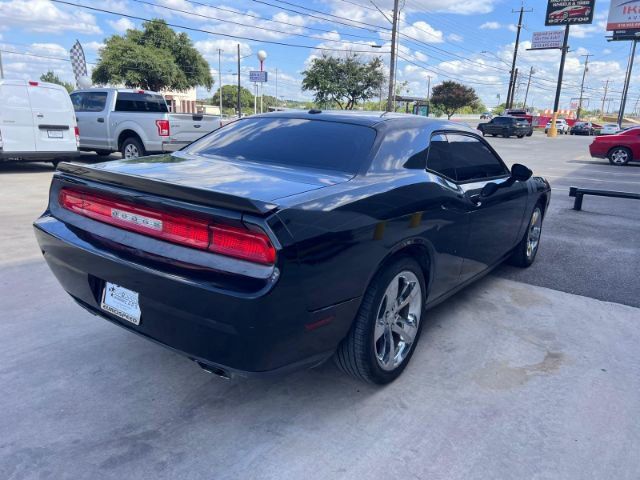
(526, 374)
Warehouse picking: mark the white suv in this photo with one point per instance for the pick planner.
(562, 126)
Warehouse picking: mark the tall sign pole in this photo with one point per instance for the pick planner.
(220, 79)
(625, 90)
(604, 99)
(392, 63)
(553, 132)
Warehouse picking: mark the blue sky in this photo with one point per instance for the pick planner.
(470, 41)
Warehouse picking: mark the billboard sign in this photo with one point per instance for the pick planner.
(570, 12)
(627, 34)
(256, 76)
(624, 15)
(547, 40)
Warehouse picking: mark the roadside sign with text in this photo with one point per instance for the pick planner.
(626, 34)
(624, 15)
(546, 40)
(256, 76)
(569, 12)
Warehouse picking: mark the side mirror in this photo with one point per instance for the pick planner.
(520, 172)
(489, 189)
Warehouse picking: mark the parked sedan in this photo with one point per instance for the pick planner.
(620, 148)
(507, 127)
(583, 128)
(610, 129)
(281, 240)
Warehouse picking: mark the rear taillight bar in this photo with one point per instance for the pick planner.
(251, 245)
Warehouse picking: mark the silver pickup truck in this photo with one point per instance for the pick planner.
(134, 122)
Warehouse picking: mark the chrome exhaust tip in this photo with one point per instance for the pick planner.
(217, 371)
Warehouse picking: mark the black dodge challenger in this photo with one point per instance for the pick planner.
(281, 240)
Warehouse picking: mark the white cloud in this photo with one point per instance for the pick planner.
(209, 50)
(454, 37)
(424, 32)
(490, 26)
(92, 46)
(44, 16)
(121, 25)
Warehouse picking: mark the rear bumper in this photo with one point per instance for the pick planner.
(266, 332)
(168, 147)
(37, 156)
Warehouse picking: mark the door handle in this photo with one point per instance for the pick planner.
(39, 115)
(100, 120)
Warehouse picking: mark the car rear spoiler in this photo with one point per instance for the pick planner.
(168, 190)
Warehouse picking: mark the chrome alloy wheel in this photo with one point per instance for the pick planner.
(619, 156)
(533, 235)
(131, 151)
(397, 320)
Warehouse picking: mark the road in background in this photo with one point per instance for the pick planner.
(510, 380)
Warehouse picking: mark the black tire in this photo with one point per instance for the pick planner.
(619, 156)
(494, 134)
(506, 135)
(131, 145)
(521, 256)
(529, 134)
(103, 153)
(520, 136)
(356, 354)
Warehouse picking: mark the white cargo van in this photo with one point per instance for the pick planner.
(37, 122)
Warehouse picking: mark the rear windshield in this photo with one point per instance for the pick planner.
(293, 142)
(502, 120)
(140, 102)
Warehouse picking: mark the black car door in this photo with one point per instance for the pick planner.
(495, 220)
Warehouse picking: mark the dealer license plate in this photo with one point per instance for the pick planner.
(54, 133)
(121, 302)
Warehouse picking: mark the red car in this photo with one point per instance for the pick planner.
(620, 149)
(567, 12)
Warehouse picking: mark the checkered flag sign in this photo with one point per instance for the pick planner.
(78, 63)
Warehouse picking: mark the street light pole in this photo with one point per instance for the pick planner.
(428, 95)
(512, 81)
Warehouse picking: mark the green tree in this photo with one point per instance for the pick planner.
(51, 77)
(230, 98)
(343, 81)
(154, 58)
(451, 96)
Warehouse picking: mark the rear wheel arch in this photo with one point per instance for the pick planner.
(127, 133)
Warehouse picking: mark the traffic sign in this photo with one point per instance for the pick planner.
(257, 76)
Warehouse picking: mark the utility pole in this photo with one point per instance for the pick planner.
(512, 83)
(526, 95)
(1, 70)
(239, 87)
(513, 91)
(625, 90)
(276, 89)
(428, 95)
(584, 74)
(556, 104)
(392, 64)
(604, 99)
(220, 79)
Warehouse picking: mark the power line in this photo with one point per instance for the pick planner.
(210, 32)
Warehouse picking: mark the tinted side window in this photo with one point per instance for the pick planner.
(140, 102)
(438, 158)
(89, 101)
(472, 159)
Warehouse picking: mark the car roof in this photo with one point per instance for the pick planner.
(368, 118)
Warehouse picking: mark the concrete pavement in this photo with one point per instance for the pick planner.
(511, 379)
